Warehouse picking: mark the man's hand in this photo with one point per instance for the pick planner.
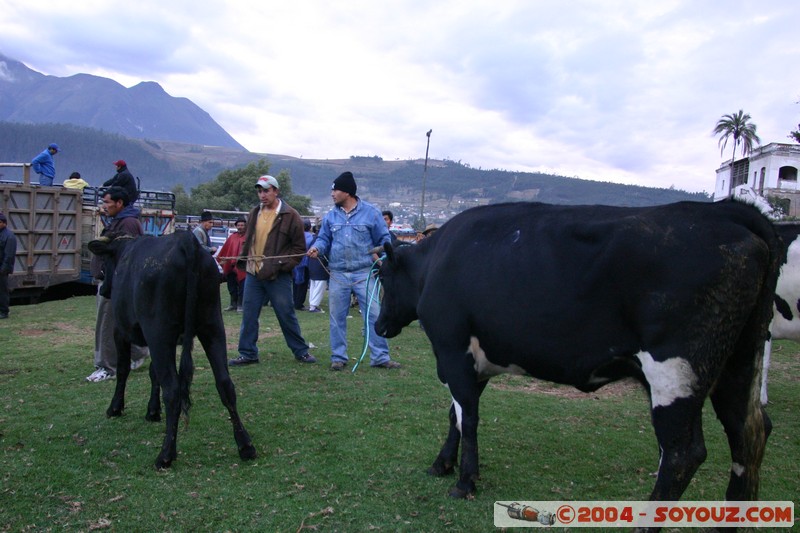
(312, 252)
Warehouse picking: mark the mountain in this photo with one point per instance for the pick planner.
(169, 141)
(144, 111)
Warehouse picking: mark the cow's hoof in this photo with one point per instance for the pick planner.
(162, 464)
(153, 417)
(461, 494)
(440, 469)
(111, 412)
(247, 452)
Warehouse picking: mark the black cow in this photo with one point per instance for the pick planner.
(677, 296)
(165, 289)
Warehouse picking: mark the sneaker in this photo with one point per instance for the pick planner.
(241, 361)
(388, 364)
(239, 309)
(136, 364)
(315, 310)
(101, 374)
(311, 345)
(338, 365)
(307, 358)
(230, 308)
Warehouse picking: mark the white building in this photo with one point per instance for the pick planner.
(771, 171)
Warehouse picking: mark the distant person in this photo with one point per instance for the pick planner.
(44, 165)
(124, 220)
(234, 276)
(318, 281)
(300, 272)
(123, 178)
(8, 251)
(388, 217)
(429, 230)
(201, 232)
(349, 231)
(75, 182)
(273, 247)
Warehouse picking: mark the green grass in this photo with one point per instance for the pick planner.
(337, 451)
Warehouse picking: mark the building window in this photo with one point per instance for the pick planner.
(787, 173)
(741, 169)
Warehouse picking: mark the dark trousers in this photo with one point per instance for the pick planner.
(5, 296)
(235, 289)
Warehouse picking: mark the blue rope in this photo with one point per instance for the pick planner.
(370, 295)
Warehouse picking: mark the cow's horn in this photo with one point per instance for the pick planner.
(378, 250)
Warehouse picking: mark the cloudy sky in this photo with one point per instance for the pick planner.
(615, 90)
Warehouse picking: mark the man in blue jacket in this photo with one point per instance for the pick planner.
(44, 165)
(348, 232)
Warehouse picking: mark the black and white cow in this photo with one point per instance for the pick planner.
(786, 318)
(165, 291)
(677, 296)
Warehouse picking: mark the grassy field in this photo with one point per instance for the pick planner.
(337, 451)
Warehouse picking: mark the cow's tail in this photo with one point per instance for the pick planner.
(186, 370)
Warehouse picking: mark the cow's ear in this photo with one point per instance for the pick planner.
(389, 251)
(99, 246)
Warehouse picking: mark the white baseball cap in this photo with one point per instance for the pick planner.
(266, 181)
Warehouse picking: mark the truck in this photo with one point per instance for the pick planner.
(54, 225)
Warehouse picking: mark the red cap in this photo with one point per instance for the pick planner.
(120, 163)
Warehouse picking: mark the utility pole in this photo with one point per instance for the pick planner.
(424, 175)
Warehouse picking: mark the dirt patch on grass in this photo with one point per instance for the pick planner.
(626, 387)
(66, 327)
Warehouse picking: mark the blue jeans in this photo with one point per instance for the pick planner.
(342, 284)
(279, 293)
(45, 180)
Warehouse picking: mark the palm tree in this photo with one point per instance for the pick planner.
(738, 126)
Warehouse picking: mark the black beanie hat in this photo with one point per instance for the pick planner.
(345, 183)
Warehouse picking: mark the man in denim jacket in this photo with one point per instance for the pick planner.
(348, 232)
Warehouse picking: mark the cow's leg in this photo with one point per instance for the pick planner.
(679, 431)
(213, 340)
(123, 370)
(445, 462)
(765, 370)
(737, 405)
(448, 456)
(162, 355)
(154, 404)
(466, 390)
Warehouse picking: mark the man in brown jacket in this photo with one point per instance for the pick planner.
(274, 246)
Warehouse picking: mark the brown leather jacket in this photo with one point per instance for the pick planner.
(285, 238)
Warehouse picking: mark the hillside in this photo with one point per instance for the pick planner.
(450, 186)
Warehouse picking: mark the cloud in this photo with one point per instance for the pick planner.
(619, 90)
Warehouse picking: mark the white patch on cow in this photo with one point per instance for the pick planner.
(485, 368)
(459, 414)
(457, 409)
(737, 469)
(669, 380)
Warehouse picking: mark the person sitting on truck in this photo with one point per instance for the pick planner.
(123, 178)
(124, 220)
(44, 165)
(201, 232)
(75, 182)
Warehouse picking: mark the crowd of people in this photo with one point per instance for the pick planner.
(273, 259)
